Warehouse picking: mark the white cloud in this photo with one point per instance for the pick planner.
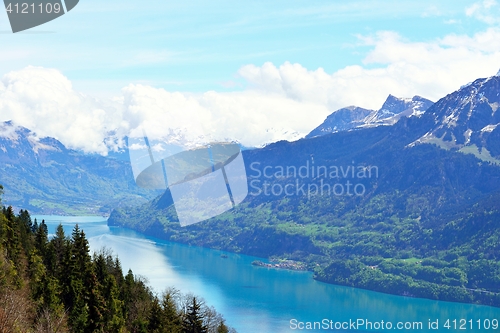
(8, 132)
(251, 117)
(486, 11)
(280, 102)
(44, 101)
(393, 66)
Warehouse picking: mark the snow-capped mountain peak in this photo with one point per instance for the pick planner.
(15, 140)
(468, 117)
(354, 117)
(8, 131)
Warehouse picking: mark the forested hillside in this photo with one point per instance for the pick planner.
(427, 225)
(56, 286)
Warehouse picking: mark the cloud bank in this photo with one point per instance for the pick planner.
(44, 101)
(280, 102)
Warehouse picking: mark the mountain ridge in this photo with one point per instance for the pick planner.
(42, 175)
(425, 204)
(466, 118)
(353, 117)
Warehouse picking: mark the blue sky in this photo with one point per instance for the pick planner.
(314, 55)
(200, 45)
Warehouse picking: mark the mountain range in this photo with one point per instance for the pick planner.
(42, 175)
(422, 221)
(404, 199)
(353, 117)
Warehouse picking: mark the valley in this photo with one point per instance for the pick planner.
(425, 226)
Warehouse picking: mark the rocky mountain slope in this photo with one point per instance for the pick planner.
(42, 175)
(468, 120)
(355, 117)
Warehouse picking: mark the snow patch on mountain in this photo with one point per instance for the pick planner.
(392, 110)
(8, 131)
(12, 135)
(37, 145)
(489, 128)
(467, 117)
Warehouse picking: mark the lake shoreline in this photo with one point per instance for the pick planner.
(405, 288)
(291, 265)
(255, 299)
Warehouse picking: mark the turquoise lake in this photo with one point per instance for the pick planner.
(260, 300)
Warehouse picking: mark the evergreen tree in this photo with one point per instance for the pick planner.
(12, 243)
(25, 226)
(56, 286)
(113, 315)
(96, 304)
(77, 295)
(41, 238)
(3, 231)
(117, 272)
(156, 319)
(44, 288)
(112, 308)
(173, 320)
(9, 213)
(80, 254)
(56, 252)
(34, 227)
(193, 321)
(138, 300)
(222, 328)
(25, 219)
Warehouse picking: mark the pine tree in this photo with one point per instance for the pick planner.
(96, 304)
(114, 316)
(56, 252)
(79, 271)
(156, 319)
(44, 288)
(41, 238)
(112, 309)
(25, 226)
(80, 254)
(25, 219)
(117, 272)
(138, 301)
(193, 321)
(34, 227)
(126, 291)
(12, 242)
(173, 321)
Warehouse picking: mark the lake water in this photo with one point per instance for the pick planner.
(261, 300)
